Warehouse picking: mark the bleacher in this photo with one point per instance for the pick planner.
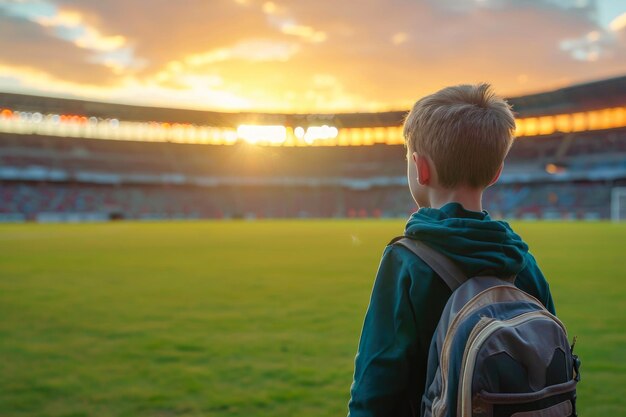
(125, 179)
(570, 154)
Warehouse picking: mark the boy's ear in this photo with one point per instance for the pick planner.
(497, 176)
(423, 169)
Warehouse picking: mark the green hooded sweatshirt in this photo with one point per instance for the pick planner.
(408, 298)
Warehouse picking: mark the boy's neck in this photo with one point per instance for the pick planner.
(469, 198)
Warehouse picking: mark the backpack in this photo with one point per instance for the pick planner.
(496, 352)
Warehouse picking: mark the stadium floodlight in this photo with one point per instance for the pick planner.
(259, 133)
(555, 168)
(314, 133)
(618, 204)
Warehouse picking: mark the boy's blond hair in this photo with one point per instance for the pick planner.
(466, 130)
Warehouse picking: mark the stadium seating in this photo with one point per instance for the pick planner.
(549, 174)
(558, 176)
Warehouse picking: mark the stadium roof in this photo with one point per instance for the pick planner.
(582, 97)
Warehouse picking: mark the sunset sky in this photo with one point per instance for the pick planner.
(303, 55)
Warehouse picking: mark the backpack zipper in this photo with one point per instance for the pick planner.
(473, 345)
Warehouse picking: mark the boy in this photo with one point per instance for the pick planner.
(456, 139)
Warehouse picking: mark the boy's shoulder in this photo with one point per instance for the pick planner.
(402, 266)
(410, 263)
(532, 280)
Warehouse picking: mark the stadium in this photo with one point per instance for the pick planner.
(197, 201)
(70, 160)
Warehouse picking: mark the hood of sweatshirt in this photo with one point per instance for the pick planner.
(475, 242)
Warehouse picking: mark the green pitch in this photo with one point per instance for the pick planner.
(243, 318)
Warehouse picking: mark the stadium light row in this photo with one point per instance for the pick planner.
(325, 135)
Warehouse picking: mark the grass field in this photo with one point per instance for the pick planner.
(240, 318)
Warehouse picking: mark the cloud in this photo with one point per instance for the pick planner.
(283, 20)
(441, 47)
(26, 44)
(619, 23)
(163, 31)
(302, 31)
(590, 47)
(129, 90)
(70, 26)
(602, 43)
(254, 50)
(288, 55)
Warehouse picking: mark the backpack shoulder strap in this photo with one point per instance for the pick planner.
(448, 271)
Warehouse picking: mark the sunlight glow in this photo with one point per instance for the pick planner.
(260, 134)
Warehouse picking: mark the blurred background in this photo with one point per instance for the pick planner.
(261, 109)
(158, 125)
